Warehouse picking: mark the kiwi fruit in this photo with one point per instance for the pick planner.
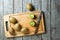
(11, 31)
(32, 16)
(25, 30)
(17, 27)
(29, 7)
(12, 20)
(32, 23)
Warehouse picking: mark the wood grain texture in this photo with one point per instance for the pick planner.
(1, 20)
(17, 8)
(46, 10)
(57, 19)
(25, 23)
(52, 17)
(25, 10)
(8, 9)
(53, 20)
(37, 5)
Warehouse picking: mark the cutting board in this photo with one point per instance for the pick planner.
(24, 19)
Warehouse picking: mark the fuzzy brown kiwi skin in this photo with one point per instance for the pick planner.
(12, 31)
(30, 7)
(12, 20)
(18, 27)
(25, 30)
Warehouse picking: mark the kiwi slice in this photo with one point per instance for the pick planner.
(32, 16)
(32, 23)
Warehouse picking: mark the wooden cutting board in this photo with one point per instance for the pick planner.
(24, 19)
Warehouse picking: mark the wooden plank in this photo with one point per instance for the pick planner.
(56, 29)
(1, 20)
(25, 10)
(37, 5)
(46, 9)
(53, 20)
(17, 8)
(8, 9)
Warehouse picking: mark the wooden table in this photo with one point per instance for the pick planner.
(51, 10)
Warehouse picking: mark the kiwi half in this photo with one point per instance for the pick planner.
(32, 23)
(32, 16)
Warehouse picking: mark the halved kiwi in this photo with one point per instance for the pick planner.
(32, 23)
(32, 16)
(25, 30)
(17, 27)
(12, 20)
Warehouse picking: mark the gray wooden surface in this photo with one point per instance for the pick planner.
(51, 10)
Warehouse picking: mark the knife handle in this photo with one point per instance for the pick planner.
(6, 25)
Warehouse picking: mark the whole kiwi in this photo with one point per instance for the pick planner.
(17, 27)
(29, 7)
(11, 31)
(25, 30)
(12, 20)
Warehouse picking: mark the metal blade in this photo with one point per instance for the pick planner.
(38, 22)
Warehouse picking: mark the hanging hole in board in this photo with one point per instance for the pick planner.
(6, 22)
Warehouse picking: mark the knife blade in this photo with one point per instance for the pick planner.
(38, 22)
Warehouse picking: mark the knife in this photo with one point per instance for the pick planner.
(38, 22)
